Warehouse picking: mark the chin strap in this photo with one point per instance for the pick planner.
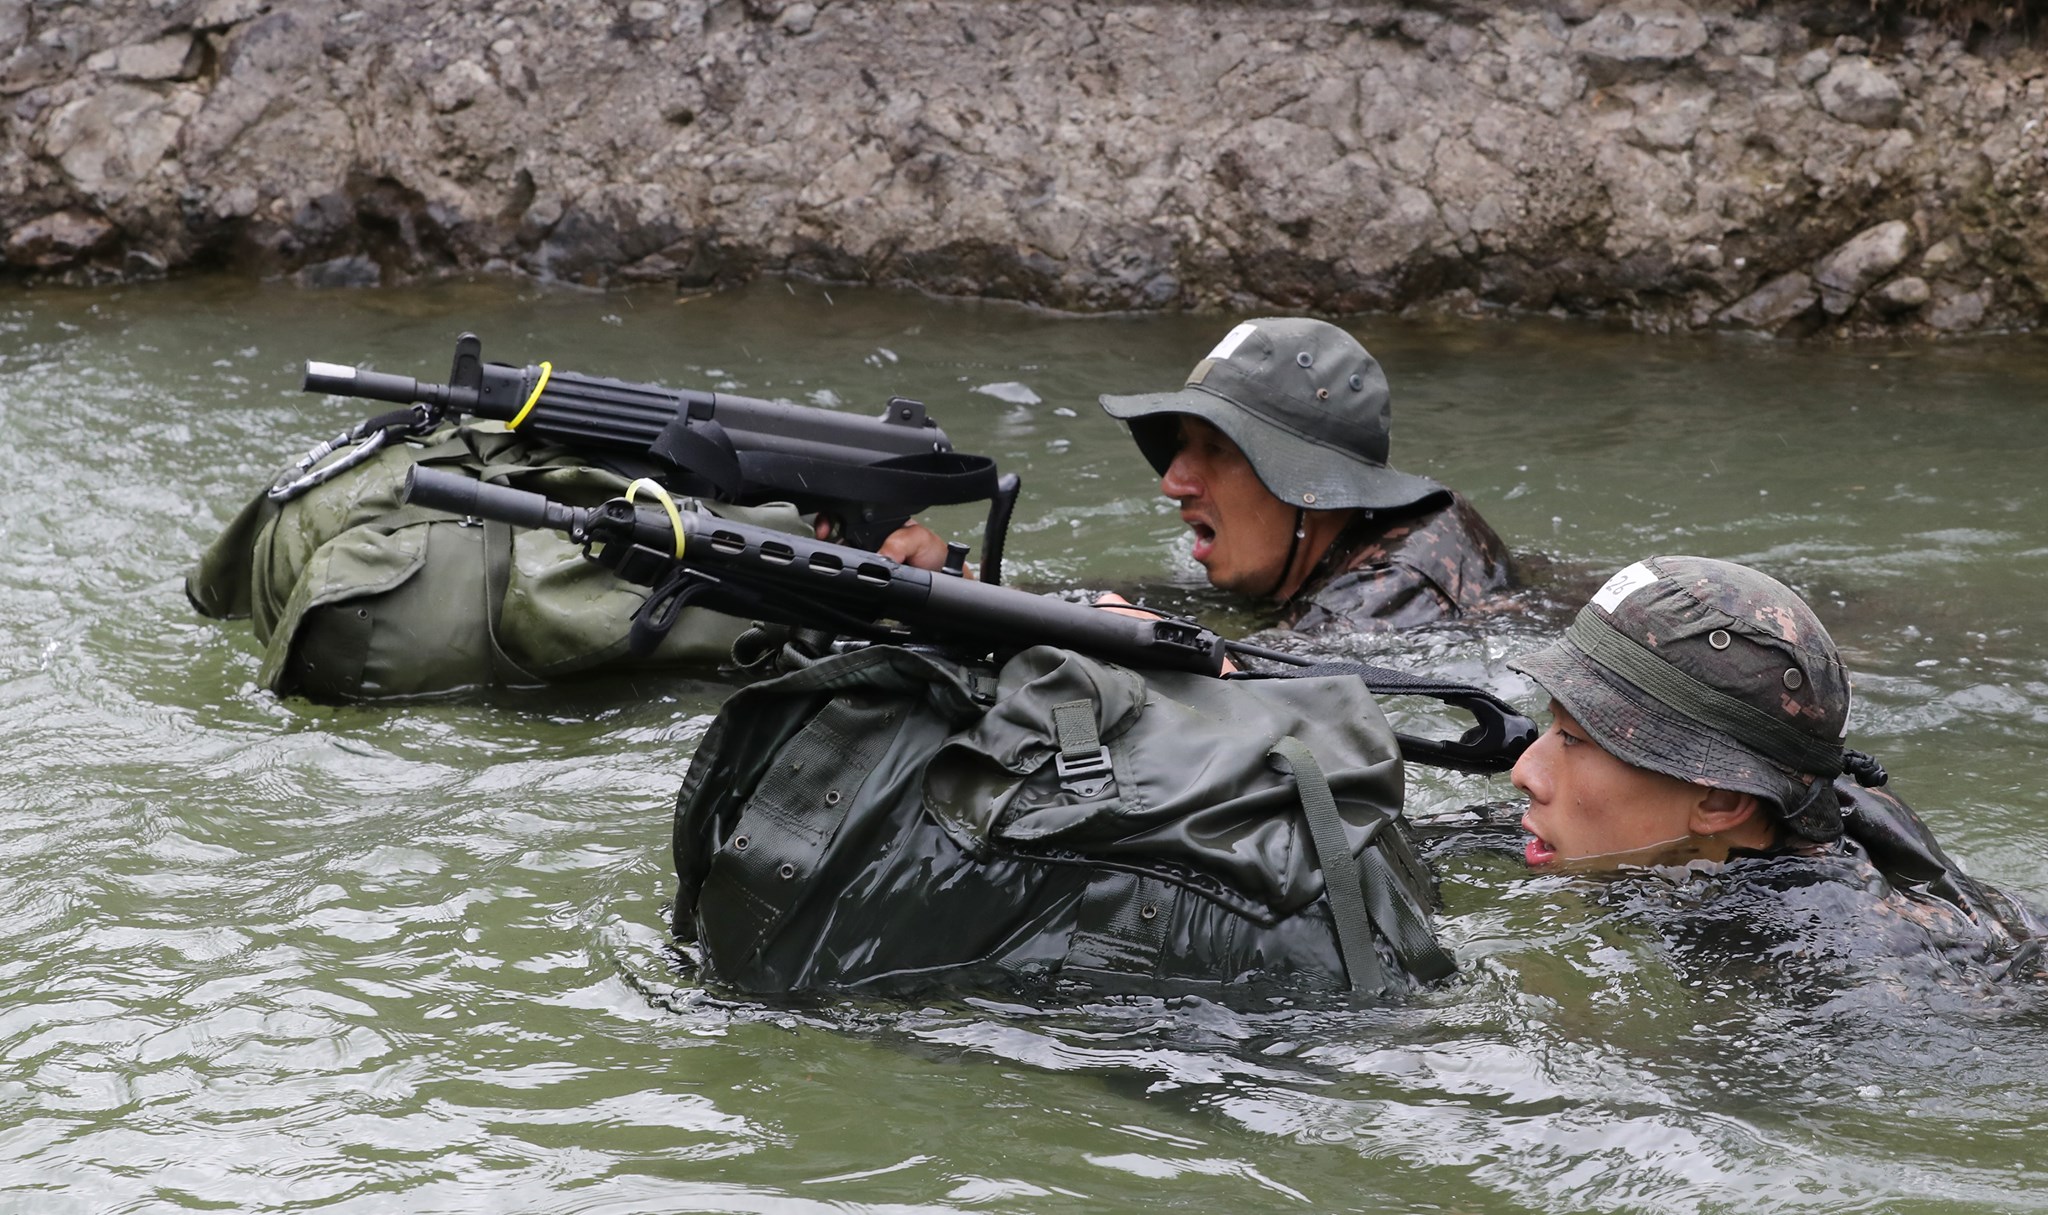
(1293, 547)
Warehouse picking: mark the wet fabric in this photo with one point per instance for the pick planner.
(1405, 572)
(1883, 904)
(356, 596)
(889, 820)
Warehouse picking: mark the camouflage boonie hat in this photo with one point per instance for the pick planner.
(1304, 402)
(1713, 673)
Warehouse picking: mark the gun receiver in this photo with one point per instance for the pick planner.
(691, 557)
(869, 475)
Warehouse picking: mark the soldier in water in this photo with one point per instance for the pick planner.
(1276, 450)
(1698, 711)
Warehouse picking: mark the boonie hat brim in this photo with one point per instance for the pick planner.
(1293, 467)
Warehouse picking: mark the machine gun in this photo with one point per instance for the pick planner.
(691, 557)
(867, 475)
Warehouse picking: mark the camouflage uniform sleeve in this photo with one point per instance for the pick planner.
(1424, 568)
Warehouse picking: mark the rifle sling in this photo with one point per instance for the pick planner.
(936, 478)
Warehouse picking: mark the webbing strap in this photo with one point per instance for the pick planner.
(932, 478)
(497, 540)
(1400, 920)
(702, 448)
(1121, 924)
(1341, 881)
(1074, 722)
(1083, 763)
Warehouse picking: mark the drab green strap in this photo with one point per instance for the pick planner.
(1746, 724)
(1121, 924)
(497, 581)
(1341, 880)
(1397, 917)
(1074, 722)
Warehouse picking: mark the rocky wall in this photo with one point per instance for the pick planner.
(1787, 168)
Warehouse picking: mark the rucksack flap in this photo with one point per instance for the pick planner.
(880, 820)
(1191, 784)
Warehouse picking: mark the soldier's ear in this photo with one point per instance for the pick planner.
(1723, 810)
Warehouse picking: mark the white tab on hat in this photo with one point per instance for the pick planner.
(1622, 585)
(1232, 340)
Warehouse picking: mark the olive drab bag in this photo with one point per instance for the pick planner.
(886, 819)
(355, 596)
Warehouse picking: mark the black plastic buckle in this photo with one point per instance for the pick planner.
(1084, 775)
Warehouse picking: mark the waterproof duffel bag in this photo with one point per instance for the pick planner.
(886, 820)
(356, 596)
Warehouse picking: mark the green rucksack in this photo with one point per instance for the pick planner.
(885, 819)
(356, 596)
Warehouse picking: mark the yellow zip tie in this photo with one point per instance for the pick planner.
(546, 370)
(675, 517)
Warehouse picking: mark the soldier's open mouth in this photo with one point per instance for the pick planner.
(1538, 851)
(1205, 540)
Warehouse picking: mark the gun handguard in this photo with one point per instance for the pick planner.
(870, 474)
(758, 572)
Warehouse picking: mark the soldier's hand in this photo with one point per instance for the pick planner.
(913, 544)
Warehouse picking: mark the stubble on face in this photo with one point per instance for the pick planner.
(1241, 530)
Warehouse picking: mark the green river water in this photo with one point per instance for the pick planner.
(263, 955)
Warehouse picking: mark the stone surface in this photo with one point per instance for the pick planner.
(1676, 164)
(57, 240)
(1633, 38)
(1959, 312)
(1855, 91)
(1776, 305)
(1845, 274)
(1901, 295)
(175, 57)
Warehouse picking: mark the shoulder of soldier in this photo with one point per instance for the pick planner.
(1446, 542)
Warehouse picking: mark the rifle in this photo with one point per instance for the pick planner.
(868, 475)
(691, 557)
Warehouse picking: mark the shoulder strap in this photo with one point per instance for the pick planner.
(1365, 892)
(1340, 869)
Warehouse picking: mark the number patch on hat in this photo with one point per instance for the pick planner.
(1624, 584)
(1232, 340)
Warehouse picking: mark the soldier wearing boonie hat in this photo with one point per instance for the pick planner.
(1276, 447)
(1712, 674)
(1699, 710)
